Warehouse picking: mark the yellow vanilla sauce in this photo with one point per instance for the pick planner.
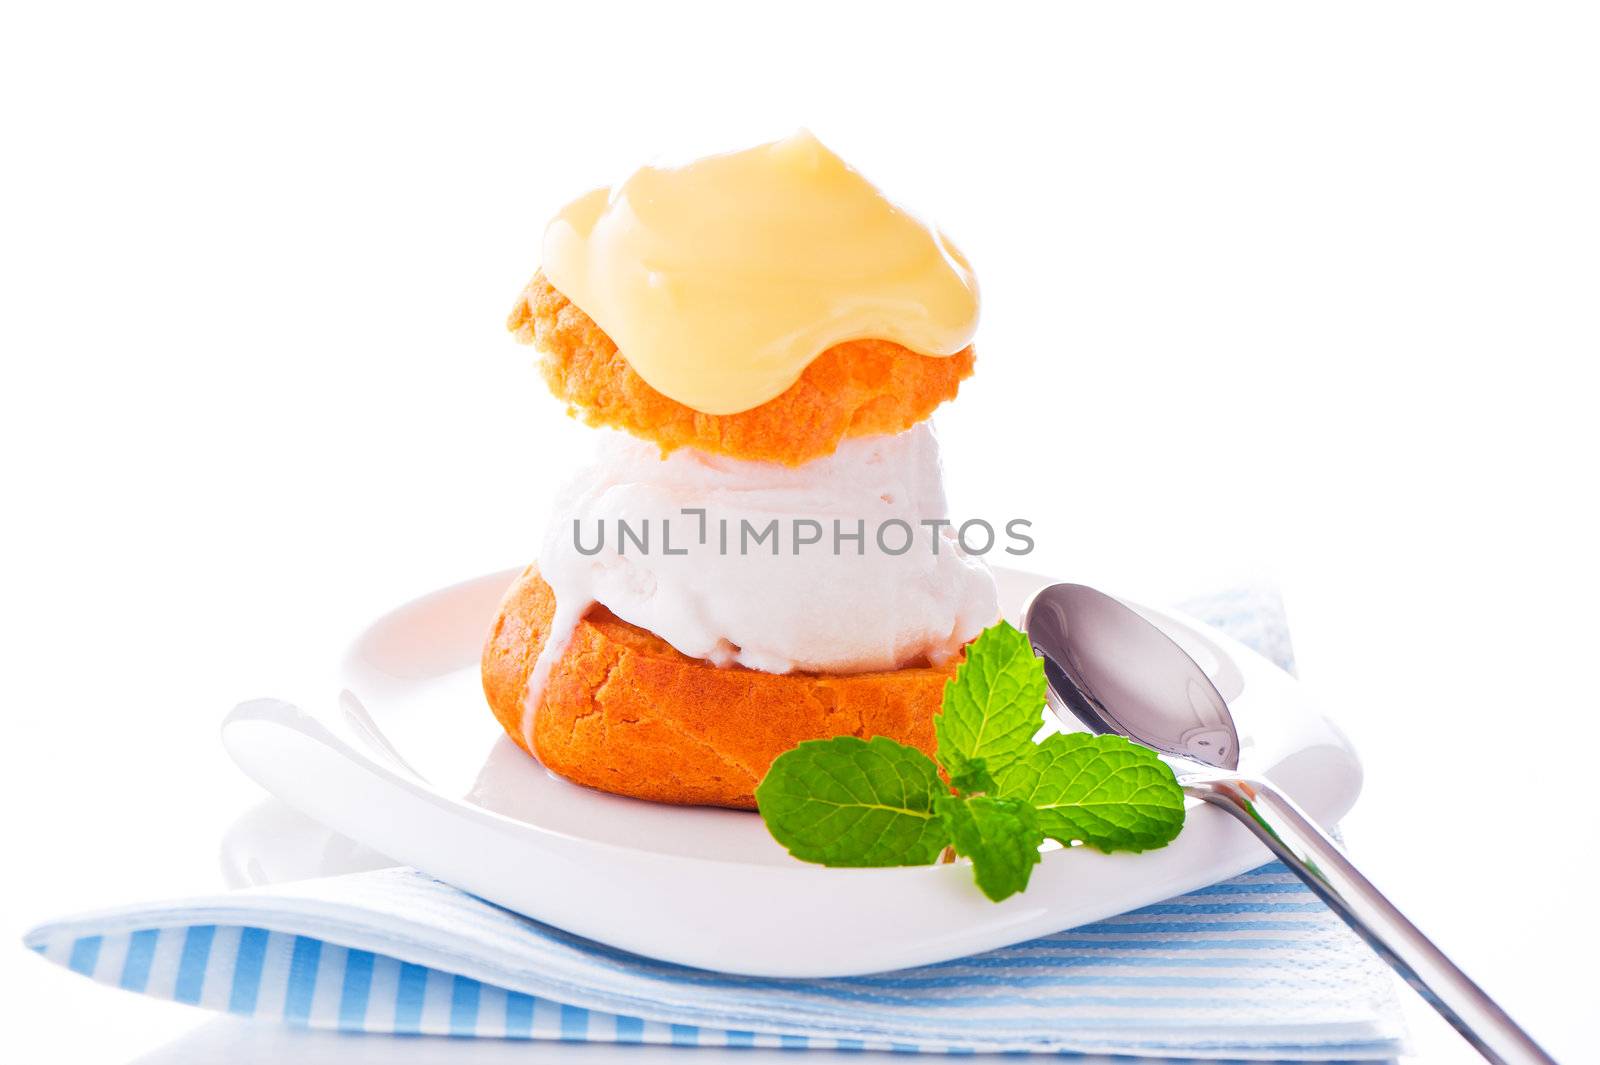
(720, 281)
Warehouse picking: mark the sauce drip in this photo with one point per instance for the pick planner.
(721, 280)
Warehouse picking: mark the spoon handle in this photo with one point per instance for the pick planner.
(1296, 839)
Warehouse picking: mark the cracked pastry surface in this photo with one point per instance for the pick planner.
(624, 712)
(858, 388)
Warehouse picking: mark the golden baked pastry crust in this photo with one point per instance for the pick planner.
(858, 388)
(625, 712)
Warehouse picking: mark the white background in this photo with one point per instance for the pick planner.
(1306, 291)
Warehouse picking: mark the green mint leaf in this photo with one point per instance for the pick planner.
(855, 802)
(993, 708)
(1000, 836)
(1098, 790)
(972, 778)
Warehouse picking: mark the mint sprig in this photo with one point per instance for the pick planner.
(875, 802)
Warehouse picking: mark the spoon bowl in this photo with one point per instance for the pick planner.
(1117, 673)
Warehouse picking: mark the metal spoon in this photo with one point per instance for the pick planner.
(1117, 673)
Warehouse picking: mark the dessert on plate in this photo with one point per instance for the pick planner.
(758, 554)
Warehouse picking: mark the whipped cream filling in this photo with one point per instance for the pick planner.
(715, 588)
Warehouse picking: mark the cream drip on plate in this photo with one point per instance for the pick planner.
(804, 608)
(721, 280)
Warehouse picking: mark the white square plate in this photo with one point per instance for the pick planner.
(410, 762)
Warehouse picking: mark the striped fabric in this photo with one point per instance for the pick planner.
(1254, 968)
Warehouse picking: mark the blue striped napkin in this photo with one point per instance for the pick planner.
(1253, 968)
